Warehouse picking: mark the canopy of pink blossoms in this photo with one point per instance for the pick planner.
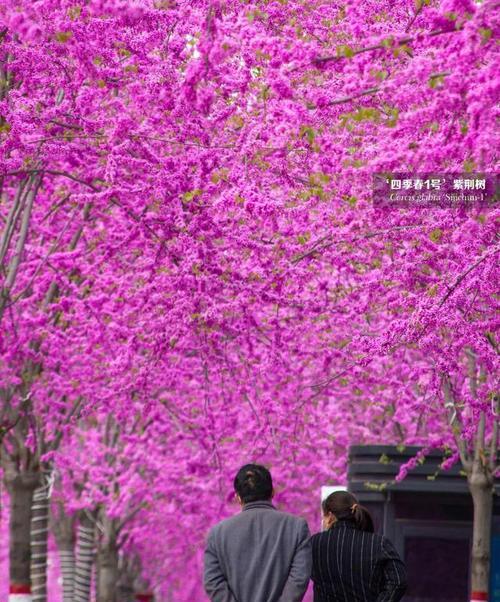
(205, 279)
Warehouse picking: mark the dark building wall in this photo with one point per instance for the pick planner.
(428, 516)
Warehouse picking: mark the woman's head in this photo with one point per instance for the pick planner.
(343, 506)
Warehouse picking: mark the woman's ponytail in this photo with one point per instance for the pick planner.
(345, 507)
(362, 518)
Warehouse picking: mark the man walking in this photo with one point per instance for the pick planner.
(260, 554)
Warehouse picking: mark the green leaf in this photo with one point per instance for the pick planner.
(406, 49)
(344, 50)
(357, 163)
(393, 116)
(187, 197)
(432, 291)
(469, 165)
(74, 12)
(381, 75)
(302, 239)
(63, 36)
(436, 235)
(308, 132)
(435, 81)
(384, 459)
(485, 34)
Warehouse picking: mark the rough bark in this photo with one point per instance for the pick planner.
(21, 487)
(107, 565)
(84, 558)
(108, 559)
(143, 590)
(68, 567)
(107, 572)
(481, 488)
(63, 527)
(129, 570)
(39, 535)
(480, 470)
(125, 591)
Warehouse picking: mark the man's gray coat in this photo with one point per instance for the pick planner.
(258, 555)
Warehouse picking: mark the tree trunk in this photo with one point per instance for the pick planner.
(480, 470)
(107, 559)
(481, 488)
(126, 590)
(63, 529)
(128, 569)
(68, 565)
(107, 576)
(39, 534)
(143, 591)
(21, 487)
(84, 558)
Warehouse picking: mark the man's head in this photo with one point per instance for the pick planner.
(253, 483)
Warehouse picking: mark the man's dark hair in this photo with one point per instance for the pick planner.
(253, 483)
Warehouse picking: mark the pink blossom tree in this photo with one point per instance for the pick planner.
(194, 274)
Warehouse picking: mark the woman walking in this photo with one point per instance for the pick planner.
(350, 562)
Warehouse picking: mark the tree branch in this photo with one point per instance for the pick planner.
(54, 288)
(455, 423)
(54, 444)
(401, 42)
(314, 249)
(129, 516)
(494, 447)
(53, 172)
(51, 251)
(479, 442)
(466, 273)
(368, 92)
(495, 434)
(420, 6)
(23, 233)
(11, 221)
(344, 99)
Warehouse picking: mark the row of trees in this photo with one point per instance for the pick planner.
(193, 273)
